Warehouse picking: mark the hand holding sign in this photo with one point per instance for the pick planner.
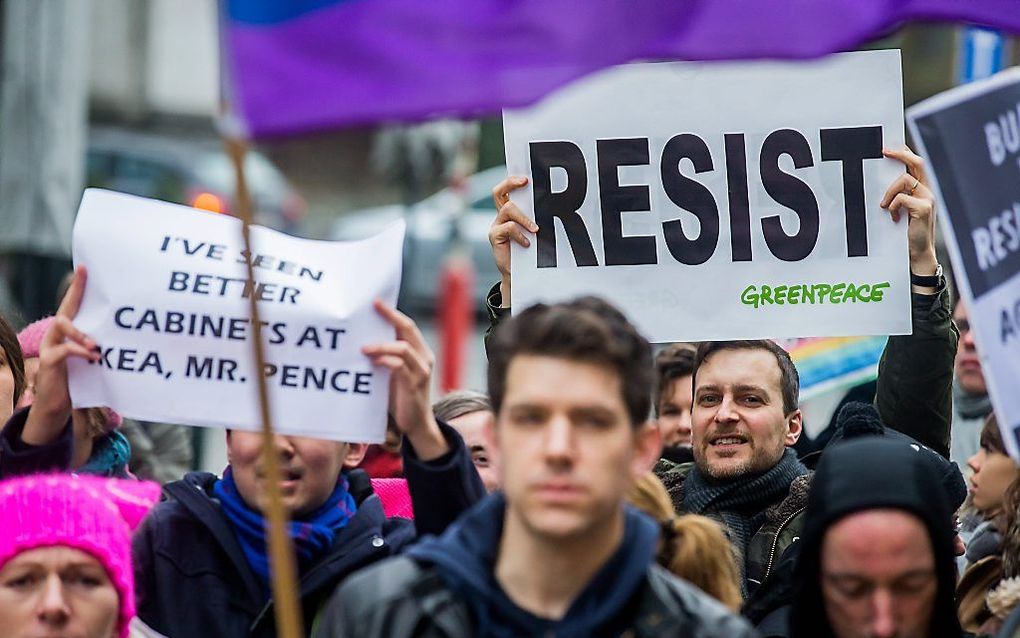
(52, 405)
(506, 227)
(410, 361)
(911, 193)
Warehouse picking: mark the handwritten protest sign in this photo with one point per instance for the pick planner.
(971, 137)
(719, 200)
(167, 300)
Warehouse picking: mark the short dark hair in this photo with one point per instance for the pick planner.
(587, 330)
(674, 362)
(12, 352)
(789, 379)
(460, 402)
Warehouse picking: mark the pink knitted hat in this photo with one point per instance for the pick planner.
(395, 497)
(31, 336)
(87, 513)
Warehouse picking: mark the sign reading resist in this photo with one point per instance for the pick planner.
(719, 200)
(167, 300)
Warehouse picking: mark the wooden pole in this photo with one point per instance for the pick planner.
(282, 564)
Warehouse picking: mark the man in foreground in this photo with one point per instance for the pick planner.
(556, 552)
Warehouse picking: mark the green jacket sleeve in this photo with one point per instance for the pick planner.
(915, 374)
(496, 313)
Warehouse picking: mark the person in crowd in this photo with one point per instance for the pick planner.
(470, 413)
(693, 547)
(201, 558)
(672, 400)
(745, 412)
(1003, 599)
(992, 472)
(876, 552)
(555, 552)
(92, 445)
(161, 452)
(65, 555)
(994, 488)
(12, 370)
(971, 405)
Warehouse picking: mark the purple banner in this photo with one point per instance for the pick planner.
(300, 66)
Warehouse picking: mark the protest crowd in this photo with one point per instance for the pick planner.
(597, 486)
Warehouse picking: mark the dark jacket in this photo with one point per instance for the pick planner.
(446, 588)
(192, 577)
(18, 458)
(865, 474)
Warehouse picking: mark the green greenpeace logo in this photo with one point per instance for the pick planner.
(794, 294)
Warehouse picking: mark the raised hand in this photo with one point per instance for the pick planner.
(509, 225)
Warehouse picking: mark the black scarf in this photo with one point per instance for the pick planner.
(741, 501)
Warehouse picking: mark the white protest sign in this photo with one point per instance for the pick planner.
(167, 302)
(719, 200)
(971, 138)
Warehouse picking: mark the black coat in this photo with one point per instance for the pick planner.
(192, 577)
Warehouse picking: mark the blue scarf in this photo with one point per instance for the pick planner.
(110, 456)
(312, 535)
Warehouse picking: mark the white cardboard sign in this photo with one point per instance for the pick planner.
(167, 301)
(719, 200)
(971, 138)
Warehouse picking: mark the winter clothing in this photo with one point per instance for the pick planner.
(90, 514)
(915, 375)
(382, 463)
(395, 497)
(110, 452)
(31, 336)
(738, 502)
(446, 587)
(194, 578)
(159, 451)
(866, 474)
(311, 534)
(110, 456)
(970, 411)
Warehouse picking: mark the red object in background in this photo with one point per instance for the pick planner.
(456, 319)
(382, 463)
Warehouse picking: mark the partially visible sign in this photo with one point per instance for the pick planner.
(971, 138)
(167, 299)
(719, 201)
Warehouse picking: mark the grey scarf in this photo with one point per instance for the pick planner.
(970, 406)
(741, 501)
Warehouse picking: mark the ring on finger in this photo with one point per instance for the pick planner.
(914, 187)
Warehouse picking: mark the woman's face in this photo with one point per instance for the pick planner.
(57, 591)
(993, 474)
(6, 387)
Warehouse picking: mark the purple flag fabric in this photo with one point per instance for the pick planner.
(297, 66)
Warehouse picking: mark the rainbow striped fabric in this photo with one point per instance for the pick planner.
(827, 363)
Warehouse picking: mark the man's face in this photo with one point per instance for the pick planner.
(738, 422)
(568, 449)
(878, 576)
(967, 366)
(309, 469)
(675, 412)
(57, 591)
(477, 430)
